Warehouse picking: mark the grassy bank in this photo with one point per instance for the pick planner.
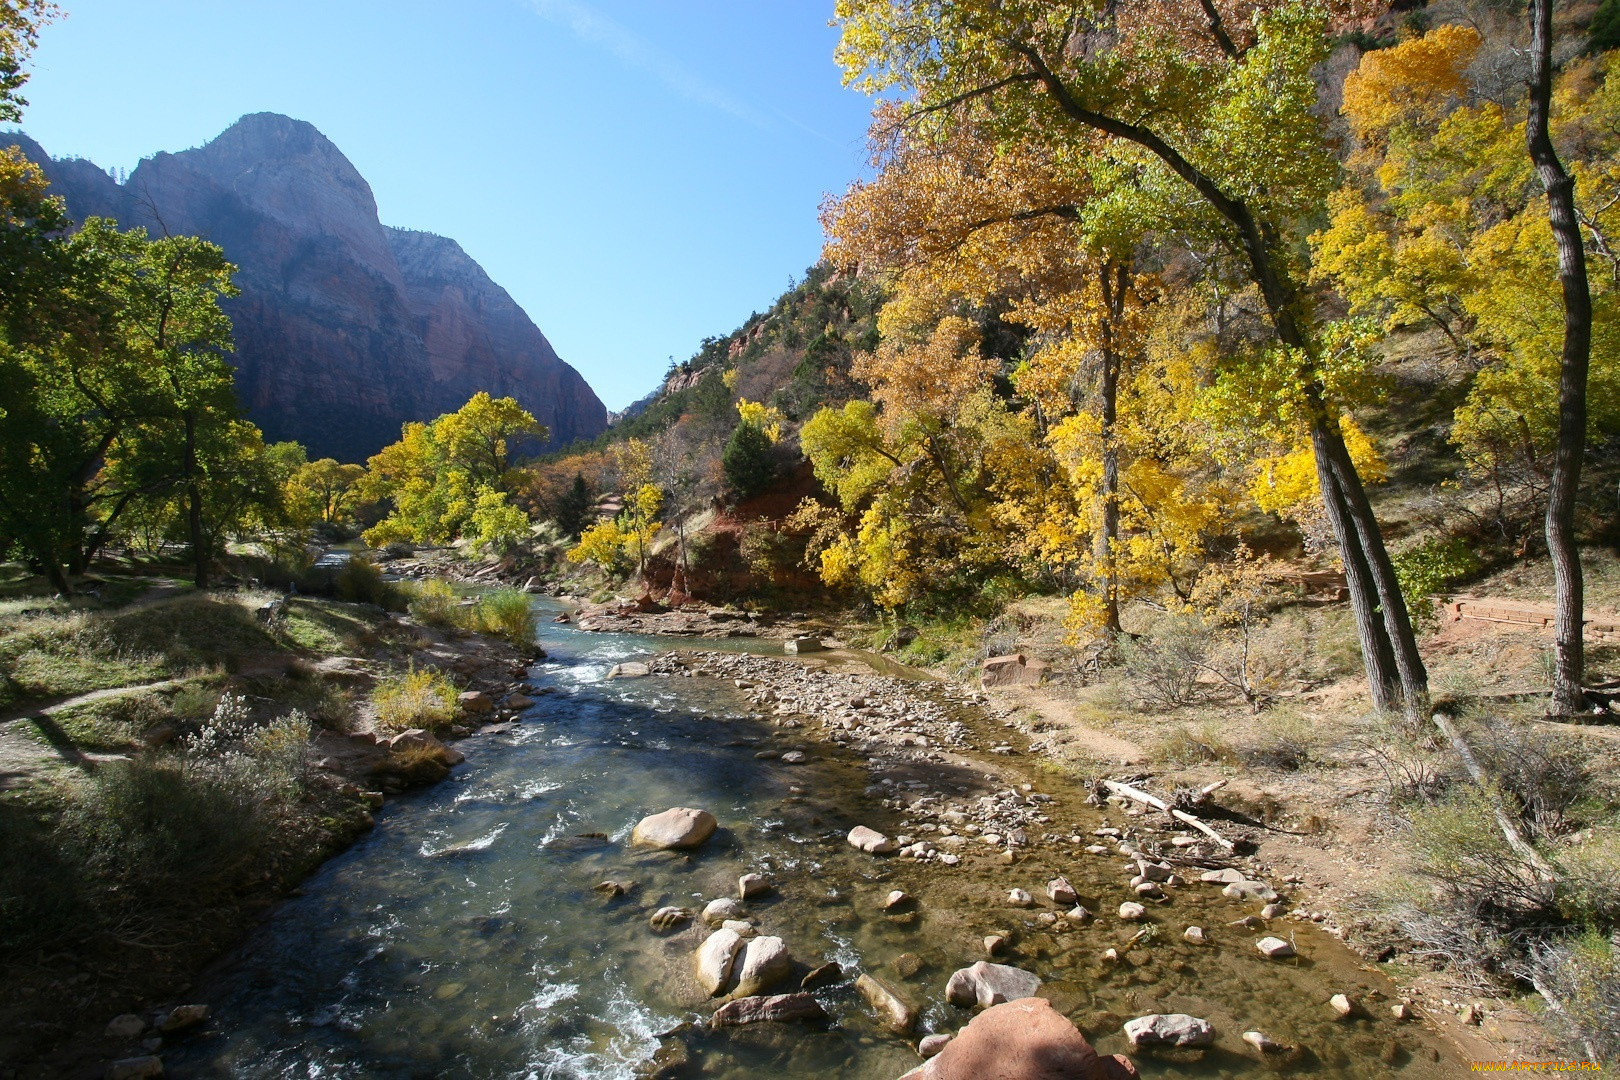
(160, 782)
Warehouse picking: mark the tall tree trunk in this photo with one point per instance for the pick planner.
(1568, 588)
(199, 549)
(1373, 589)
(1113, 290)
(1377, 656)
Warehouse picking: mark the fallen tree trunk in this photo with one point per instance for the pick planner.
(1157, 803)
(1510, 828)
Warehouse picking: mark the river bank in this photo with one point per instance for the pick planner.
(117, 938)
(467, 934)
(1308, 801)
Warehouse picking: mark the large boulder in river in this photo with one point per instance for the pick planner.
(715, 958)
(680, 827)
(763, 962)
(1022, 1040)
(1169, 1029)
(986, 984)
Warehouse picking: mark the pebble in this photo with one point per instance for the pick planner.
(127, 1026)
(1342, 1005)
(793, 757)
(752, 885)
(1059, 891)
(1194, 934)
(895, 899)
(994, 944)
(932, 1045)
(1271, 911)
(1020, 898)
(135, 1068)
(1263, 1043)
(668, 918)
(1274, 948)
(1132, 912)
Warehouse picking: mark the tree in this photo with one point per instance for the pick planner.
(1205, 123)
(438, 476)
(1568, 695)
(749, 460)
(573, 510)
(20, 23)
(323, 490)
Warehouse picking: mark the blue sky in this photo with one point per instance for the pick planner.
(637, 173)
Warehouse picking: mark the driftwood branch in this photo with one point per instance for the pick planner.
(1159, 804)
(1510, 828)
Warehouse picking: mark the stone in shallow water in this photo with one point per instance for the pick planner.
(931, 1045)
(1250, 890)
(985, 984)
(1059, 891)
(629, 671)
(1194, 934)
(722, 910)
(135, 1068)
(666, 919)
(127, 1026)
(762, 962)
(871, 841)
(1169, 1029)
(755, 1010)
(1132, 912)
(1263, 1042)
(1274, 948)
(679, 827)
(715, 958)
(751, 885)
(897, 1015)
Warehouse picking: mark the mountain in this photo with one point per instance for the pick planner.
(345, 328)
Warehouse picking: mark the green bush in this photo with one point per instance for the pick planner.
(1424, 572)
(361, 582)
(434, 603)
(749, 460)
(154, 827)
(506, 613)
(1580, 979)
(414, 699)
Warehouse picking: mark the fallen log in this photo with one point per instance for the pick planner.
(1510, 829)
(1157, 803)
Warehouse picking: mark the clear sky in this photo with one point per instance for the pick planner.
(638, 174)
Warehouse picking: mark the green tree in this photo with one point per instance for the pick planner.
(749, 460)
(573, 511)
(439, 475)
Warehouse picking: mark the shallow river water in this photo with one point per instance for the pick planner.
(463, 937)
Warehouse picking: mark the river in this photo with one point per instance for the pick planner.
(464, 938)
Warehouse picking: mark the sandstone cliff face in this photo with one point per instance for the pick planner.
(345, 329)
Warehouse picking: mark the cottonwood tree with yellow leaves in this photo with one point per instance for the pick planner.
(1200, 118)
(1459, 214)
(1080, 481)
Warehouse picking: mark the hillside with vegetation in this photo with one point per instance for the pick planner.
(1232, 389)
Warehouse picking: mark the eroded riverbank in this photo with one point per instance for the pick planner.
(466, 937)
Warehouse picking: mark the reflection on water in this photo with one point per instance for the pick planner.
(464, 937)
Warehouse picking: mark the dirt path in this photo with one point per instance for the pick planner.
(25, 759)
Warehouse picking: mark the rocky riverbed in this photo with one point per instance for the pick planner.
(885, 862)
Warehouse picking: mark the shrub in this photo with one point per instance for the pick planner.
(506, 613)
(1425, 570)
(1164, 666)
(154, 827)
(42, 900)
(435, 603)
(1580, 979)
(414, 699)
(361, 582)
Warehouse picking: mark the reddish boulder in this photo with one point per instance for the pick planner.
(1025, 1039)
